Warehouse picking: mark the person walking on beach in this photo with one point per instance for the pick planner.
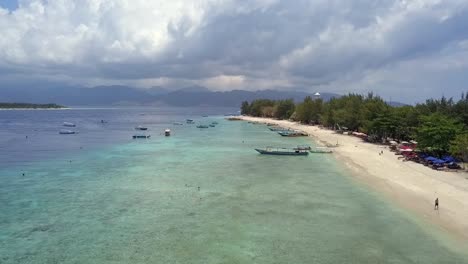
(436, 204)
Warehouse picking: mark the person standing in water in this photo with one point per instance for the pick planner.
(436, 204)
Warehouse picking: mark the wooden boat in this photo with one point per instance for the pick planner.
(202, 126)
(282, 151)
(67, 132)
(292, 133)
(141, 136)
(167, 132)
(303, 147)
(276, 129)
(141, 128)
(321, 150)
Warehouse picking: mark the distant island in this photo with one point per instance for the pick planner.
(29, 106)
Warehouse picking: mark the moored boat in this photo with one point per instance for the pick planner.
(68, 124)
(292, 133)
(202, 126)
(167, 132)
(67, 132)
(282, 151)
(277, 128)
(141, 136)
(320, 150)
(212, 125)
(141, 128)
(303, 147)
(189, 121)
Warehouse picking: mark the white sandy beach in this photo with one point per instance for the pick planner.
(409, 184)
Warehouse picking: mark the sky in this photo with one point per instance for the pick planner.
(405, 50)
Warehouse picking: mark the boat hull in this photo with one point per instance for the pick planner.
(282, 153)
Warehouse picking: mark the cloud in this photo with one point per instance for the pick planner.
(387, 46)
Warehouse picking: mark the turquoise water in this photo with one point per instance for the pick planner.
(139, 202)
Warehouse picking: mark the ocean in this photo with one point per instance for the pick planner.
(198, 196)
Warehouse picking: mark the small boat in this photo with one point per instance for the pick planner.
(141, 128)
(234, 118)
(303, 147)
(282, 151)
(202, 126)
(276, 129)
(292, 133)
(177, 123)
(167, 132)
(189, 121)
(321, 150)
(141, 136)
(212, 125)
(103, 121)
(67, 132)
(68, 124)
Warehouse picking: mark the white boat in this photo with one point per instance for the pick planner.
(67, 132)
(68, 124)
(167, 132)
(141, 128)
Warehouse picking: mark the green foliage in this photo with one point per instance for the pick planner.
(436, 132)
(245, 108)
(434, 124)
(309, 111)
(459, 147)
(284, 109)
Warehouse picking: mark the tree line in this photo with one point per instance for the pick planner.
(438, 125)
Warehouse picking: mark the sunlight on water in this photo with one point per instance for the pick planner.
(139, 202)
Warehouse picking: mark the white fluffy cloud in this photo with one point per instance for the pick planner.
(386, 46)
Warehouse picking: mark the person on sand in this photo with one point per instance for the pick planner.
(436, 204)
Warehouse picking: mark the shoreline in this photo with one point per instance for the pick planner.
(410, 185)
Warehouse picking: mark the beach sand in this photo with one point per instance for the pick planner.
(408, 184)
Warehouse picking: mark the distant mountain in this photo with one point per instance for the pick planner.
(188, 97)
(123, 95)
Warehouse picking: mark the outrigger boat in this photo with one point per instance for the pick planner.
(68, 124)
(141, 136)
(276, 129)
(303, 147)
(67, 132)
(292, 133)
(282, 151)
(320, 150)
